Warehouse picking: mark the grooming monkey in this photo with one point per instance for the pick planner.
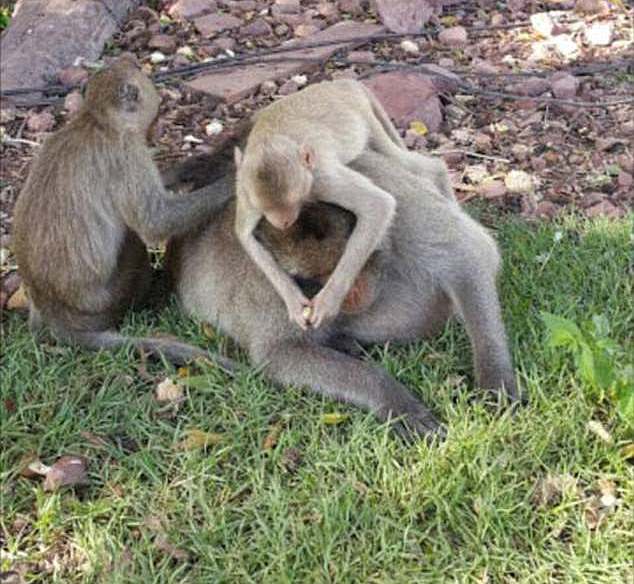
(298, 151)
(435, 261)
(91, 202)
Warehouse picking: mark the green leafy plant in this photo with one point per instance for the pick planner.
(595, 354)
(5, 17)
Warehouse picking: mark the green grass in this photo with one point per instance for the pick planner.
(360, 506)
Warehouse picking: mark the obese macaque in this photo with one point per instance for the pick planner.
(435, 261)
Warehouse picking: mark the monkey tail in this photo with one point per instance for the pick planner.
(174, 351)
(384, 119)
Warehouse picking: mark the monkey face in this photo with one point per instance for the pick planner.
(283, 217)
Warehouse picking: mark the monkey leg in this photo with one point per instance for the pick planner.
(341, 377)
(477, 302)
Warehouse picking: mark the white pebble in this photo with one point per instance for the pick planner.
(213, 128)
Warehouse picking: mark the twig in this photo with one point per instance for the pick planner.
(468, 153)
(487, 93)
(17, 142)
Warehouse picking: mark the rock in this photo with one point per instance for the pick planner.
(604, 208)
(591, 199)
(257, 28)
(328, 10)
(163, 42)
(626, 162)
(592, 7)
(234, 84)
(456, 36)
(72, 76)
(624, 180)
(281, 29)
(305, 30)
(351, 6)
(42, 122)
(444, 81)
(482, 66)
(599, 34)
(542, 23)
(241, 6)
(215, 23)
(565, 46)
(405, 16)
(446, 63)
(410, 47)
(546, 210)
(361, 56)
(531, 87)
(406, 97)
(286, 7)
(288, 87)
(188, 9)
(157, 57)
(521, 151)
(213, 128)
(48, 36)
(268, 88)
(73, 102)
(224, 44)
(564, 85)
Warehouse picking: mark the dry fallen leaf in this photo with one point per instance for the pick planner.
(208, 330)
(627, 452)
(170, 549)
(598, 429)
(169, 392)
(196, 439)
(518, 181)
(550, 489)
(31, 466)
(334, 418)
(418, 127)
(19, 299)
(68, 471)
(273, 436)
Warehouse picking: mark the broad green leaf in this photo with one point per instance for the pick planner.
(603, 369)
(195, 439)
(586, 365)
(625, 401)
(563, 332)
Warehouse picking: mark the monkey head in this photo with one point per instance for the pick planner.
(277, 179)
(124, 96)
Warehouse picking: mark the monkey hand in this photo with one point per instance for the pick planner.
(298, 307)
(326, 306)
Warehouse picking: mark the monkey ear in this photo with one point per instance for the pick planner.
(237, 156)
(307, 156)
(129, 95)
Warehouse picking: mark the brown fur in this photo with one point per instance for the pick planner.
(91, 202)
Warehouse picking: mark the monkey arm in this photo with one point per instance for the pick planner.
(161, 214)
(246, 222)
(374, 209)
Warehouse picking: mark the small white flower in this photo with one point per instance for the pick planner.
(157, 57)
(558, 236)
(300, 79)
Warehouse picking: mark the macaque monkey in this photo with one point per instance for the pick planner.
(297, 152)
(91, 202)
(434, 262)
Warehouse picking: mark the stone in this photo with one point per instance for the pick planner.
(624, 180)
(361, 57)
(73, 102)
(286, 7)
(305, 30)
(564, 85)
(482, 66)
(444, 81)
(231, 85)
(530, 87)
(351, 6)
(407, 96)
(163, 42)
(592, 7)
(257, 28)
(42, 122)
(327, 10)
(456, 36)
(224, 44)
(288, 87)
(216, 23)
(492, 189)
(410, 47)
(542, 23)
(405, 16)
(599, 34)
(72, 76)
(188, 9)
(604, 208)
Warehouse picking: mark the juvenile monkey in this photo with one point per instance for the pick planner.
(435, 261)
(91, 202)
(298, 151)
